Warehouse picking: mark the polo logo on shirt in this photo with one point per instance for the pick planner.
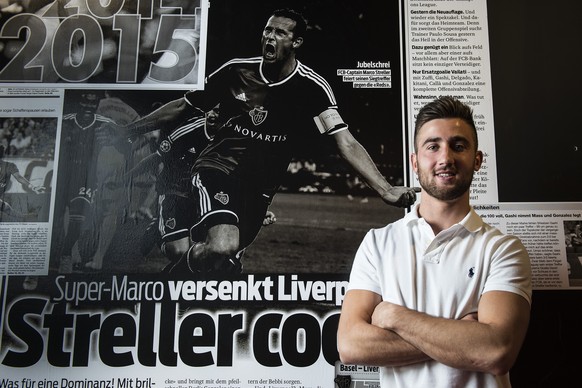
(221, 197)
(471, 272)
(258, 115)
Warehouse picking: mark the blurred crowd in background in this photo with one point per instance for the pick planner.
(28, 137)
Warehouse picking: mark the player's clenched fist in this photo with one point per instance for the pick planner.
(400, 196)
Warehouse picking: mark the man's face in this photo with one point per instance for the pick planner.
(446, 158)
(278, 40)
(212, 117)
(89, 103)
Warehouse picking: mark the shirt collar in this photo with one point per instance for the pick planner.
(472, 222)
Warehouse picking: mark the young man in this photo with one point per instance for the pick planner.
(82, 139)
(270, 106)
(439, 298)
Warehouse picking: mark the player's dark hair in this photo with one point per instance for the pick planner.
(300, 22)
(445, 107)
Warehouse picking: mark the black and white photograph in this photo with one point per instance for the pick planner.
(27, 146)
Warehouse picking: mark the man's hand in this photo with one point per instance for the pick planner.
(471, 317)
(269, 218)
(37, 189)
(400, 196)
(383, 313)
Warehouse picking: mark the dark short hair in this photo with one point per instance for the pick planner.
(445, 107)
(300, 22)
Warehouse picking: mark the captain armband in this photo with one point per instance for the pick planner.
(329, 121)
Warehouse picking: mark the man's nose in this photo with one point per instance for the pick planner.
(446, 155)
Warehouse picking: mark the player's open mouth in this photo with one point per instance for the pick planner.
(269, 51)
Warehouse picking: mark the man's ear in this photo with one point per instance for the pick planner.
(414, 162)
(297, 42)
(478, 160)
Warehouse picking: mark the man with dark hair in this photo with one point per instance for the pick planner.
(270, 106)
(445, 108)
(81, 141)
(438, 298)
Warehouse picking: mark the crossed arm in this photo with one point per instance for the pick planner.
(375, 332)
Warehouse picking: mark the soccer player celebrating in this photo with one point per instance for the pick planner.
(269, 104)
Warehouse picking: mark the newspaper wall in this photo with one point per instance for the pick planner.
(112, 316)
(117, 319)
(448, 52)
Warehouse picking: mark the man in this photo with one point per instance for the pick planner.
(177, 148)
(82, 140)
(270, 106)
(7, 170)
(439, 298)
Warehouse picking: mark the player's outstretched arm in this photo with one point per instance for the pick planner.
(25, 182)
(169, 115)
(353, 152)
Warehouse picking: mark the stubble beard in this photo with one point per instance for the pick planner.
(446, 193)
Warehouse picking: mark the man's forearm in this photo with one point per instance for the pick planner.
(168, 115)
(353, 152)
(370, 345)
(361, 342)
(23, 181)
(357, 156)
(461, 344)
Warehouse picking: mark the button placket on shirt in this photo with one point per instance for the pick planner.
(432, 253)
(433, 245)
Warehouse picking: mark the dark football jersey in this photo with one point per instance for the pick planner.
(178, 150)
(79, 151)
(264, 121)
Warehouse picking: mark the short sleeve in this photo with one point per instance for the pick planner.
(510, 268)
(364, 274)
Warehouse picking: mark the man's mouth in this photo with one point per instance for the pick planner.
(445, 174)
(269, 51)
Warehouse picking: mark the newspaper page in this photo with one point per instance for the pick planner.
(119, 44)
(27, 157)
(92, 293)
(448, 54)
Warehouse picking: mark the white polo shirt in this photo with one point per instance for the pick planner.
(444, 276)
